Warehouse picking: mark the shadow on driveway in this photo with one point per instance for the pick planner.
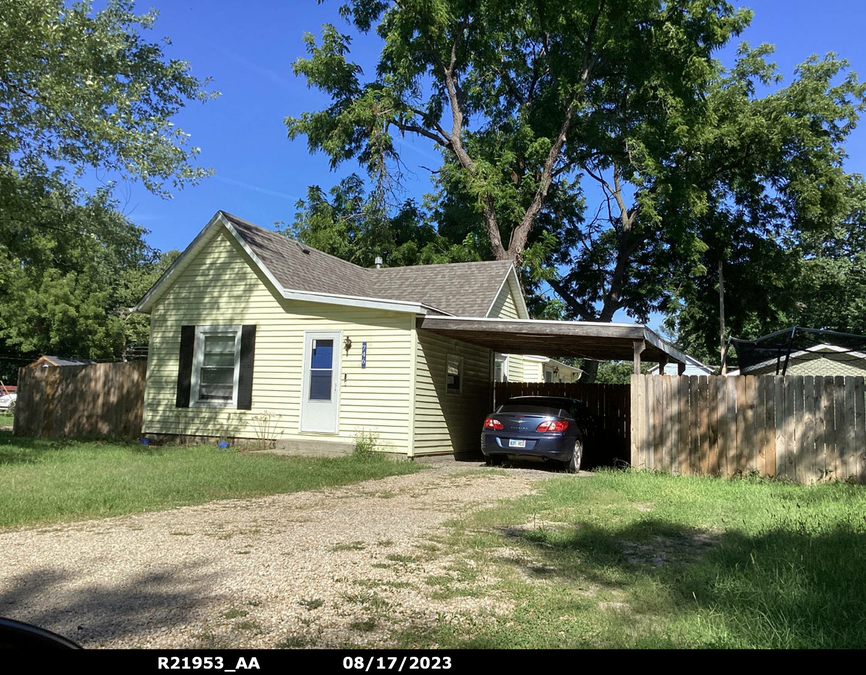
(92, 612)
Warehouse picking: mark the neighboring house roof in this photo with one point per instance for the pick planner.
(302, 272)
(691, 364)
(60, 361)
(564, 366)
(546, 360)
(822, 351)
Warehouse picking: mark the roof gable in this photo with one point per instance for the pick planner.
(826, 351)
(510, 289)
(300, 272)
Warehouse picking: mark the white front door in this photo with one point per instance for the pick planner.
(321, 382)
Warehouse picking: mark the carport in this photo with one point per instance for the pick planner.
(610, 404)
(582, 339)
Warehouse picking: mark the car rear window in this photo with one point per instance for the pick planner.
(539, 408)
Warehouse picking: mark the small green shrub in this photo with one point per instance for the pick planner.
(367, 445)
(293, 642)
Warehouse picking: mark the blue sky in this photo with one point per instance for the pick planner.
(248, 48)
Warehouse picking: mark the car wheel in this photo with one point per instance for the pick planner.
(573, 465)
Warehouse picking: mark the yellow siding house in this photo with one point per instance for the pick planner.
(254, 335)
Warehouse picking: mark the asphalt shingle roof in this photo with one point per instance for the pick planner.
(461, 289)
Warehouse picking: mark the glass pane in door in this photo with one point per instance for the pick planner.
(321, 370)
(323, 354)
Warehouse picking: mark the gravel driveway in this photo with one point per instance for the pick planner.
(336, 567)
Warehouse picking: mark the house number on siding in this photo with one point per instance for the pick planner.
(363, 355)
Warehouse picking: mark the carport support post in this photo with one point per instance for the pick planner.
(639, 346)
(681, 368)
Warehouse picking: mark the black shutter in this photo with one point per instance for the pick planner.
(184, 368)
(245, 377)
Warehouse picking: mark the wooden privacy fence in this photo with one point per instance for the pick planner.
(608, 403)
(799, 427)
(100, 399)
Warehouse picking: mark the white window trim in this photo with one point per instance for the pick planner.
(198, 355)
(448, 361)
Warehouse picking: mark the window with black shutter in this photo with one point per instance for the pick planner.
(216, 366)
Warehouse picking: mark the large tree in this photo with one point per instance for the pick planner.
(82, 90)
(68, 278)
(812, 278)
(350, 223)
(518, 96)
(530, 104)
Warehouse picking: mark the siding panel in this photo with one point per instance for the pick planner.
(448, 423)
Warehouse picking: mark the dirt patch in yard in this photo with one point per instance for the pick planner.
(660, 551)
(337, 567)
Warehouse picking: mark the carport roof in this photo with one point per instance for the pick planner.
(582, 339)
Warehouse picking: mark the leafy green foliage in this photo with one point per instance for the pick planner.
(82, 90)
(85, 89)
(72, 266)
(618, 372)
(530, 103)
(814, 279)
(750, 176)
(349, 223)
(831, 292)
(527, 88)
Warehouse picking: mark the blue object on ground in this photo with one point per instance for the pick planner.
(145, 441)
(223, 444)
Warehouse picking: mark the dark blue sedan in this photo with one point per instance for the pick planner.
(546, 427)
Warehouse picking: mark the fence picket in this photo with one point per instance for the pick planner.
(830, 449)
(779, 425)
(769, 426)
(859, 443)
(683, 439)
(849, 454)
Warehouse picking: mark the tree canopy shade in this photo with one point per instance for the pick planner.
(72, 266)
(351, 224)
(814, 279)
(753, 173)
(84, 89)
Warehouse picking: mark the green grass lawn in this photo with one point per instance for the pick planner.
(628, 559)
(44, 481)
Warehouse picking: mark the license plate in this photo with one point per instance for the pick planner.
(516, 443)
